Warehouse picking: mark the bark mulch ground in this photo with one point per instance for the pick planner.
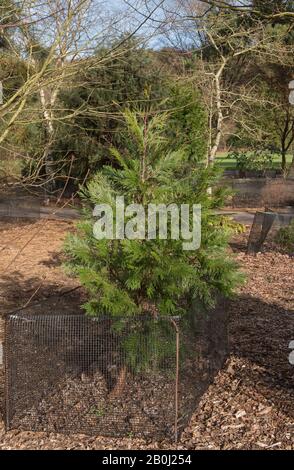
(250, 404)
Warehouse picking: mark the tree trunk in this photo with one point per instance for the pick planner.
(47, 154)
(284, 162)
(220, 117)
(120, 384)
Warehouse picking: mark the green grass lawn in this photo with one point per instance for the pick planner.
(230, 164)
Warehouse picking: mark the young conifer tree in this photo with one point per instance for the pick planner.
(128, 278)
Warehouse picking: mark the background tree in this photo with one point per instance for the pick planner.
(237, 57)
(55, 41)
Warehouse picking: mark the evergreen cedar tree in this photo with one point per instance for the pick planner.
(155, 278)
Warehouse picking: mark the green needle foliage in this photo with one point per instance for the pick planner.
(124, 277)
(157, 278)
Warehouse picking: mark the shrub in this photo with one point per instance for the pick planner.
(256, 160)
(285, 238)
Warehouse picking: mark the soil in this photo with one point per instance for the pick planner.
(249, 405)
(30, 266)
(84, 403)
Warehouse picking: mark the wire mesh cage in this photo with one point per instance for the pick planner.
(134, 376)
(265, 226)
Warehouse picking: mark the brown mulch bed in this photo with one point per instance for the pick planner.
(250, 404)
(30, 266)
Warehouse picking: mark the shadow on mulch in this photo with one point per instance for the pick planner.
(56, 260)
(19, 290)
(261, 332)
(50, 298)
(238, 246)
(7, 223)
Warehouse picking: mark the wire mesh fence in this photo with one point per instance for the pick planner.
(265, 226)
(134, 376)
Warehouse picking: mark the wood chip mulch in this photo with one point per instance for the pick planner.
(250, 404)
